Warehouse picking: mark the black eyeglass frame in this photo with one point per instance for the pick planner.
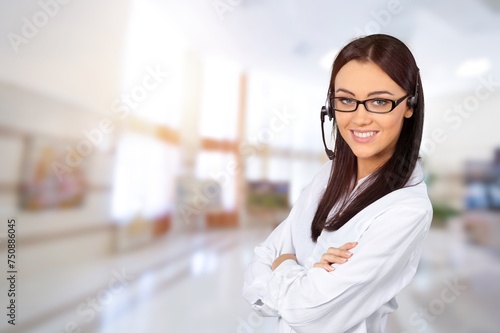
(395, 103)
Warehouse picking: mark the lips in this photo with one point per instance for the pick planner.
(363, 136)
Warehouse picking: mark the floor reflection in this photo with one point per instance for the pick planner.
(192, 283)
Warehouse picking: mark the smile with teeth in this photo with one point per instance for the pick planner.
(364, 134)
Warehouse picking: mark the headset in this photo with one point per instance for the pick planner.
(327, 110)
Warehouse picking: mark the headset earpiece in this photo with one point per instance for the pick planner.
(329, 110)
(413, 101)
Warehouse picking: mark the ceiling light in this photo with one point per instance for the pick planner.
(473, 67)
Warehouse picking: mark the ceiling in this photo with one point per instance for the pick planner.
(454, 41)
(291, 37)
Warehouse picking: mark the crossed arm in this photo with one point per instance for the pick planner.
(333, 255)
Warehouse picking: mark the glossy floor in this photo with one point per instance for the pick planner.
(192, 283)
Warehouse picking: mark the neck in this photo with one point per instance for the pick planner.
(365, 168)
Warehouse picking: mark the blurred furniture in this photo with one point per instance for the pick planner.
(199, 205)
(483, 228)
(267, 202)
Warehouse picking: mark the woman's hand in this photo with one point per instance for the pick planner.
(282, 258)
(335, 255)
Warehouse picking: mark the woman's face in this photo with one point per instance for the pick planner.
(372, 137)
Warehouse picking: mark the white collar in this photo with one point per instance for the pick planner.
(417, 176)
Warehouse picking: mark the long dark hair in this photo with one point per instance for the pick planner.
(395, 59)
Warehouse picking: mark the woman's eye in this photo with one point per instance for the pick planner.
(347, 101)
(379, 102)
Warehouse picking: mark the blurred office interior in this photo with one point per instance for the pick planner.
(147, 147)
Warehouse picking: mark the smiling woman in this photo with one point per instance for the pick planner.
(377, 66)
(353, 239)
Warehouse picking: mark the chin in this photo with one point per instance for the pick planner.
(366, 157)
(372, 156)
(364, 153)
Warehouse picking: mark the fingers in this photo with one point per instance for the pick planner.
(343, 251)
(327, 260)
(348, 246)
(325, 266)
(336, 255)
(333, 259)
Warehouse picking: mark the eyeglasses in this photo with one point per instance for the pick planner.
(375, 105)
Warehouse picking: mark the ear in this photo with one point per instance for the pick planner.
(408, 112)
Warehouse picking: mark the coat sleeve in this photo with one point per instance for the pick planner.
(383, 263)
(258, 273)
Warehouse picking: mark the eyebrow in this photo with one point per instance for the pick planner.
(378, 92)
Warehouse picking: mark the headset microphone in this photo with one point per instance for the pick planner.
(324, 112)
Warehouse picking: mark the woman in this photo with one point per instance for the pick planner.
(354, 237)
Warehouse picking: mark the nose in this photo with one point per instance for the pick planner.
(361, 116)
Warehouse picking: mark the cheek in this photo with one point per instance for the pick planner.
(343, 119)
(393, 126)
(342, 124)
(395, 123)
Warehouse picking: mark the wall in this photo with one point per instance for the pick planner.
(59, 83)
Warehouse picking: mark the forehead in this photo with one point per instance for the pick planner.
(365, 77)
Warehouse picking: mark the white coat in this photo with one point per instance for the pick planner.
(358, 295)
